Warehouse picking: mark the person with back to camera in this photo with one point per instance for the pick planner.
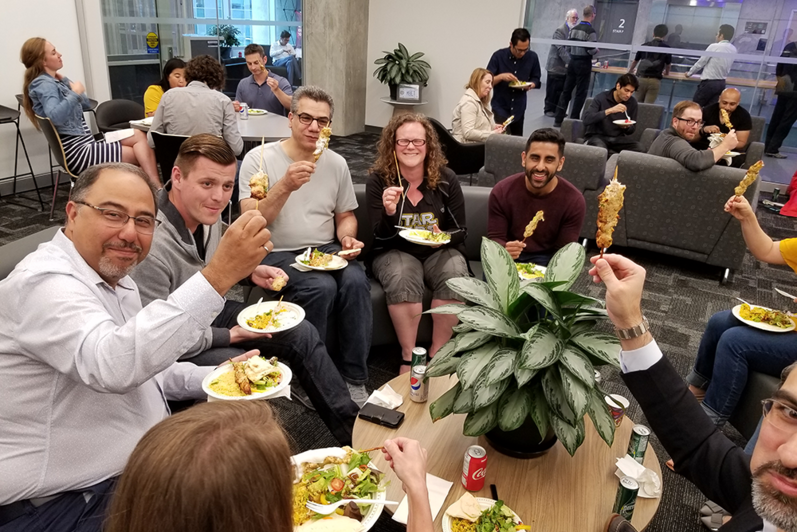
(473, 118)
(652, 66)
(173, 77)
(715, 69)
(227, 466)
(579, 70)
(432, 201)
(49, 94)
(558, 59)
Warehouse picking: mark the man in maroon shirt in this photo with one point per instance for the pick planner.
(515, 200)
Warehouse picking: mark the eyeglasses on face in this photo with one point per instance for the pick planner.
(691, 122)
(406, 142)
(780, 414)
(144, 224)
(306, 119)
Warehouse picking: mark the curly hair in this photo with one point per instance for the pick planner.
(385, 165)
(206, 69)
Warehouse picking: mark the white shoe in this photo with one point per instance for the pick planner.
(358, 393)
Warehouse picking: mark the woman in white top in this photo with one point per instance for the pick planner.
(473, 118)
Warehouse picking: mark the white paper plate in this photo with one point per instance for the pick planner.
(293, 316)
(543, 269)
(337, 263)
(624, 123)
(317, 456)
(732, 153)
(484, 503)
(287, 375)
(407, 235)
(758, 325)
(257, 112)
(519, 84)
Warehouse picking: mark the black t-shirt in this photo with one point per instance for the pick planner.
(740, 119)
(199, 240)
(651, 64)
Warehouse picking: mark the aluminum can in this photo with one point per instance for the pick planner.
(244, 111)
(639, 442)
(418, 357)
(626, 497)
(775, 194)
(605, 64)
(419, 389)
(474, 468)
(597, 377)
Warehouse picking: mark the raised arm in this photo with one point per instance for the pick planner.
(760, 245)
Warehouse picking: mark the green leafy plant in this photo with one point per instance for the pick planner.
(399, 66)
(227, 34)
(526, 349)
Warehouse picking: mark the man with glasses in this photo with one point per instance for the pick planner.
(579, 70)
(676, 141)
(86, 371)
(190, 211)
(311, 205)
(558, 59)
(760, 492)
(515, 71)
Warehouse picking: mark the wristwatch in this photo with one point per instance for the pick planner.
(633, 332)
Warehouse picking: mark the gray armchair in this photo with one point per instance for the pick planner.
(755, 148)
(11, 254)
(649, 116)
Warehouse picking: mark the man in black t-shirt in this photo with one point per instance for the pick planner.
(651, 67)
(739, 118)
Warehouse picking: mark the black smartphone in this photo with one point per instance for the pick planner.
(381, 415)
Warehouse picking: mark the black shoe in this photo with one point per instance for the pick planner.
(776, 155)
(550, 113)
(299, 395)
(557, 124)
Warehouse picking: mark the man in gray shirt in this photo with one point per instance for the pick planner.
(558, 59)
(199, 107)
(675, 142)
(263, 89)
(84, 370)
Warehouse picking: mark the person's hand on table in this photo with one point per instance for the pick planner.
(239, 334)
(514, 247)
(624, 280)
(408, 459)
(711, 129)
(349, 242)
(390, 199)
(264, 276)
(236, 105)
(739, 208)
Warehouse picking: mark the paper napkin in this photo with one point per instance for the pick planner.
(438, 491)
(386, 397)
(649, 482)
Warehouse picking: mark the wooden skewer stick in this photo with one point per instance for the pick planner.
(373, 449)
(398, 173)
(602, 250)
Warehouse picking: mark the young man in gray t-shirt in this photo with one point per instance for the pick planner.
(311, 204)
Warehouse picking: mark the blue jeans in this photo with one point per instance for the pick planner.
(730, 349)
(294, 70)
(342, 298)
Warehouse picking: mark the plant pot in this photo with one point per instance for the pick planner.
(523, 442)
(393, 91)
(225, 52)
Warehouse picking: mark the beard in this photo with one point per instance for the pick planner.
(769, 503)
(112, 270)
(534, 184)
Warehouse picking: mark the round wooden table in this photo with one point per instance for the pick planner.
(555, 492)
(271, 126)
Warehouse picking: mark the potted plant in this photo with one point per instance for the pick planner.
(228, 37)
(399, 66)
(524, 354)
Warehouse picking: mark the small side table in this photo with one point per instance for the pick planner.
(400, 108)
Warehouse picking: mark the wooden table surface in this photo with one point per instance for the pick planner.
(553, 493)
(679, 76)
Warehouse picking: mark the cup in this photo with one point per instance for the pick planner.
(617, 406)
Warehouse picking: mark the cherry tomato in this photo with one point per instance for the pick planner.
(336, 484)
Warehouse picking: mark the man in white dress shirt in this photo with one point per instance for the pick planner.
(84, 370)
(715, 69)
(283, 54)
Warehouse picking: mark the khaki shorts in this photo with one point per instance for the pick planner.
(402, 276)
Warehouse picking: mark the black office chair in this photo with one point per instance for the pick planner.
(114, 115)
(9, 116)
(463, 159)
(57, 149)
(166, 148)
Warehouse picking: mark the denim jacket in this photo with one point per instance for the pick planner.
(55, 100)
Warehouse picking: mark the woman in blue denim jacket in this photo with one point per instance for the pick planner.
(49, 94)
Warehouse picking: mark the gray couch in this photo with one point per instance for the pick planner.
(12, 253)
(649, 116)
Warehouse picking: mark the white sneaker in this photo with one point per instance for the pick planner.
(358, 393)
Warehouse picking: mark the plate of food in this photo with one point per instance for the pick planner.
(257, 112)
(530, 270)
(763, 318)
(259, 377)
(271, 317)
(732, 153)
(425, 238)
(472, 514)
(318, 260)
(329, 475)
(519, 84)
(624, 122)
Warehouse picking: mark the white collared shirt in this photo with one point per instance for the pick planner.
(715, 67)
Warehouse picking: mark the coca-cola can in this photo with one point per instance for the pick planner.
(475, 468)
(605, 64)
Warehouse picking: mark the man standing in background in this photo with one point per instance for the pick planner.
(558, 59)
(652, 66)
(715, 69)
(579, 69)
(785, 113)
(512, 66)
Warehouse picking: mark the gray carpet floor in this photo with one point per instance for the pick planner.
(679, 298)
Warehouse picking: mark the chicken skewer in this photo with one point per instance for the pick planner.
(258, 183)
(532, 226)
(749, 178)
(322, 143)
(610, 201)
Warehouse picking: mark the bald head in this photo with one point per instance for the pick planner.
(729, 99)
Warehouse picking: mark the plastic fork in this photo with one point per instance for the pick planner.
(326, 509)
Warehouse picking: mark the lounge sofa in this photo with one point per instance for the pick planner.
(11, 254)
(649, 116)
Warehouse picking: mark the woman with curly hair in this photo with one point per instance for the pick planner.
(173, 77)
(426, 195)
(50, 94)
(199, 107)
(473, 118)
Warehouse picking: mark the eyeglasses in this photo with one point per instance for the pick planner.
(406, 142)
(691, 122)
(306, 119)
(144, 224)
(781, 415)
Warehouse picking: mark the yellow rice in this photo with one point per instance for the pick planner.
(225, 385)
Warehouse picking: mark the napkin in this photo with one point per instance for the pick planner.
(649, 482)
(715, 141)
(438, 491)
(386, 397)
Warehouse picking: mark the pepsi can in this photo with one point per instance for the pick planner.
(244, 111)
(419, 389)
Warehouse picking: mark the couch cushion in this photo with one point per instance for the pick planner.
(11, 254)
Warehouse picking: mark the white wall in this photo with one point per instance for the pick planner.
(456, 36)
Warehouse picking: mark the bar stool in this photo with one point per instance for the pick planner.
(10, 116)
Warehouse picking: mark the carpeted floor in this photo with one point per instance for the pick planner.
(680, 297)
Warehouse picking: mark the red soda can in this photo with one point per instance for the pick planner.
(605, 64)
(475, 468)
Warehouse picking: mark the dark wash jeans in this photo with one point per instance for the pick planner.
(344, 294)
(729, 350)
